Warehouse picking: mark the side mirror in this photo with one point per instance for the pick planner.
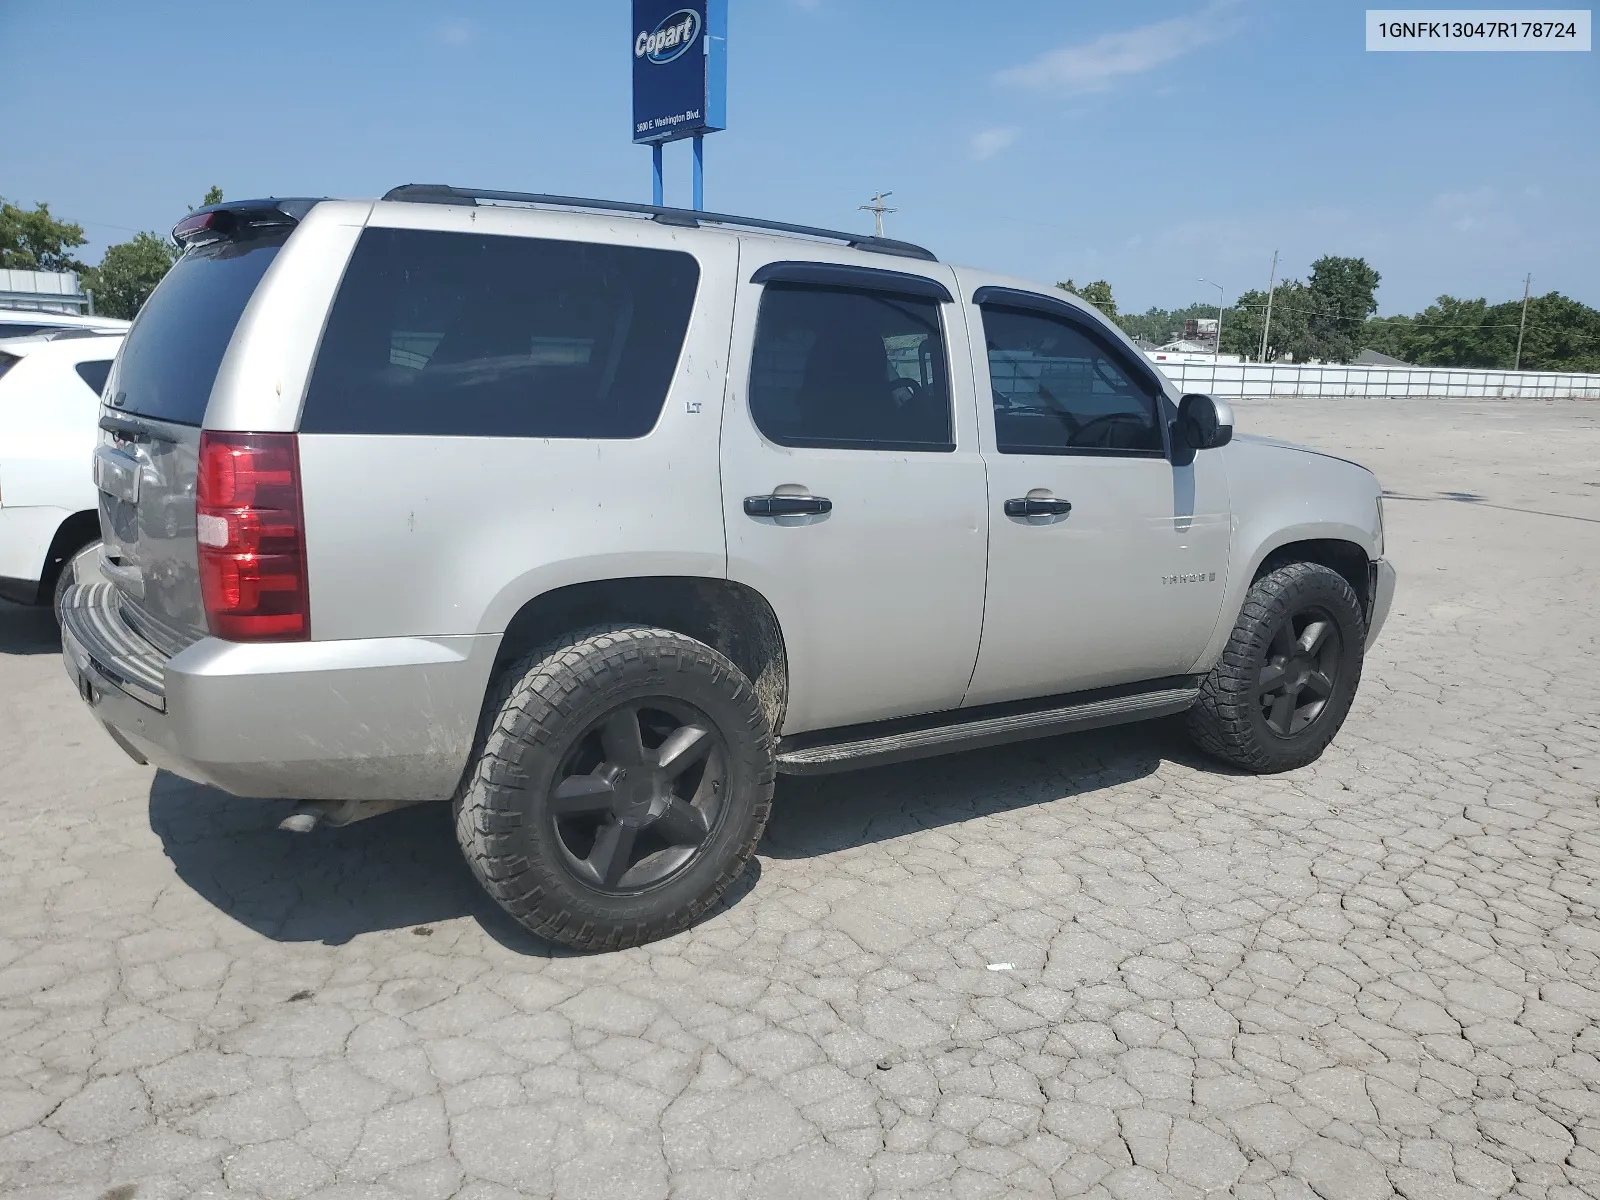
(1203, 424)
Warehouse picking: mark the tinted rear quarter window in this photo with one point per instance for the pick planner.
(177, 341)
(479, 335)
(94, 374)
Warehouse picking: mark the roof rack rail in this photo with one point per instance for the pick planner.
(441, 193)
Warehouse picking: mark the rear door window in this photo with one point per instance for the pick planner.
(170, 359)
(477, 335)
(850, 369)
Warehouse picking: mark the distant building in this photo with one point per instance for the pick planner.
(1182, 351)
(1372, 358)
(43, 291)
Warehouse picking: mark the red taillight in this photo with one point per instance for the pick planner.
(250, 526)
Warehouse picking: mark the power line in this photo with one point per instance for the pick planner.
(1311, 312)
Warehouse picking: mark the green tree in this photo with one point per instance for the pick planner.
(130, 270)
(1097, 293)
(1159, 325)
(128, 274)
(1562, 334)
(33, 240)
(1342, 293)
(1287, 333)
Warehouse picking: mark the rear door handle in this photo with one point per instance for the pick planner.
(786, 506)
(1038, 506)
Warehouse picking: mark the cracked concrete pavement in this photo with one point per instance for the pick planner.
(1376, 975)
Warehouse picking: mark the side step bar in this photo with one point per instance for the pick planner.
(885, 742)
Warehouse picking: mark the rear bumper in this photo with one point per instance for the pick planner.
(1383, 583)
(381, 718)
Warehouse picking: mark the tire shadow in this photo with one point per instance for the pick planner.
(27, 630)
(822, 814)
(403, 869)
(397, 871)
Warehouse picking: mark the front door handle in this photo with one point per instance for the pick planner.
(1038, 506)
(787, 506)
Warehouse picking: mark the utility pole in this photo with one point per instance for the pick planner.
(1272, 284)
(1527, 285)
(877, 209)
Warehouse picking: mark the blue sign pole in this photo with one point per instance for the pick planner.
(680, 79)
(699, 173)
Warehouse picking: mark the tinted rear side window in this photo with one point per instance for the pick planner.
(94, 374)
(849, 369)
(473, 335)
(170, 359)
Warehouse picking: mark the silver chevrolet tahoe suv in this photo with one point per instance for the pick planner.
(589, 518)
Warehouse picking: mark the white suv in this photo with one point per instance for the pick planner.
(590, 518)
(49, 406)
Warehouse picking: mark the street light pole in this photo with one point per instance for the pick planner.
(1216, 355)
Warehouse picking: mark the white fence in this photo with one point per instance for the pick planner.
(1234, 380)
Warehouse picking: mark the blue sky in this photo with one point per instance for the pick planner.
(1148, 144)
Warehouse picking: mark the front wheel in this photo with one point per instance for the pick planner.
(622, 780)
(1285, 682)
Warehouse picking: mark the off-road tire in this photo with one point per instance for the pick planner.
(533, 713)
(1227, 720)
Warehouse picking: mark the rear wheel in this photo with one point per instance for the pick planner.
(620, 784)
(1287, 678)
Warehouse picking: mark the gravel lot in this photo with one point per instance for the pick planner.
(1380, 974)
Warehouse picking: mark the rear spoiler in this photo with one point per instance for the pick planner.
(240, 218)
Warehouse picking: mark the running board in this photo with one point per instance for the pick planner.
(857, 746)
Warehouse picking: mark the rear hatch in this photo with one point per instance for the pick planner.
(156, 402)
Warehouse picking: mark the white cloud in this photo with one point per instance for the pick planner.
(989, 142)
(1096, 66)
(455, 33)
(1466, 211)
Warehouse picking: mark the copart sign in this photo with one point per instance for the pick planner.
(679, 68)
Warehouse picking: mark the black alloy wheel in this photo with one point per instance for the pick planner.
(1301, 671)
(1286, 678)
(620, 781)
(639, 795)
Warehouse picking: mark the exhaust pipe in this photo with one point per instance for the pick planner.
(309, 815)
